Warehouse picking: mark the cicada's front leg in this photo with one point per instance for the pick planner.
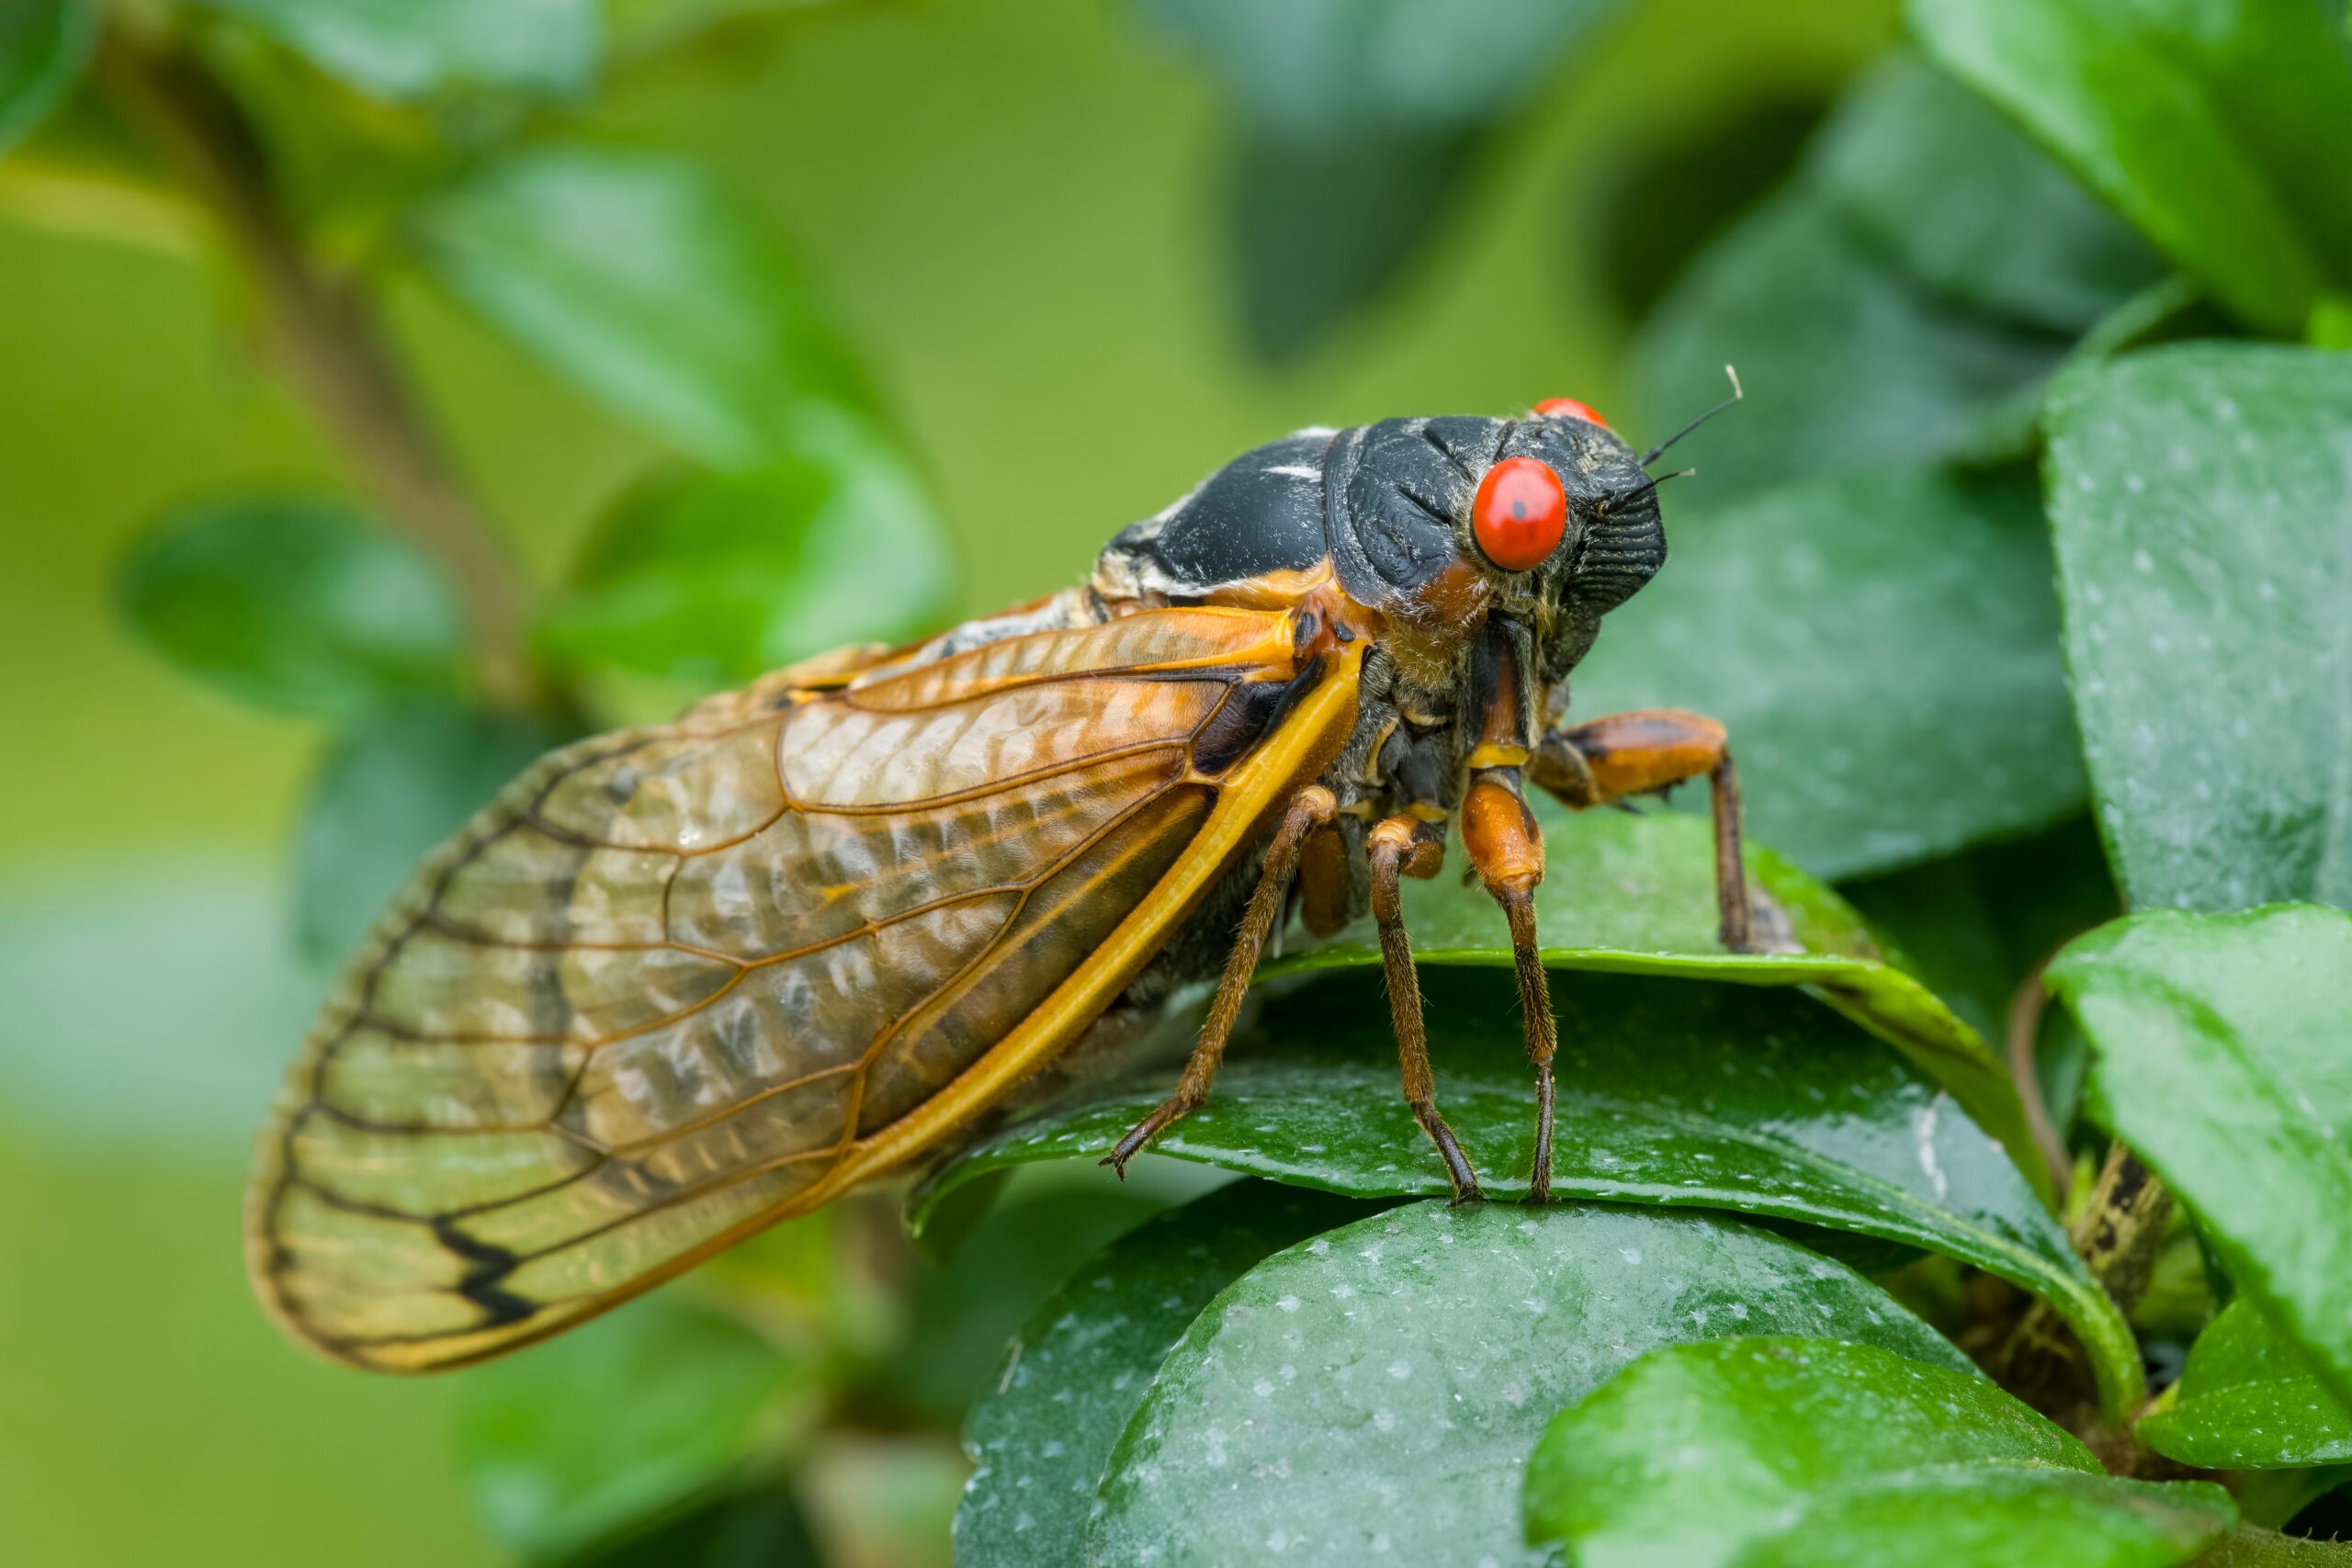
(1608, 759)
(1411, 844)
(1309, 813)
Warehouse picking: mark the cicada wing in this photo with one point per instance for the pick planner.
(677, 983)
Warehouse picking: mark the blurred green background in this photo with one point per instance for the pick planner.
(1015, 207)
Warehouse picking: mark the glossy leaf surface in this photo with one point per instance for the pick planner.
(2200, 500)
(44, 45)
(2221, 128)
(1373, 1394)
(2222, 1041)
(1073, 1376)
(1793, 1450)
(2248, 1399)
(305, 606)
(1669, 1094)
(416, 49)
(629, 1417)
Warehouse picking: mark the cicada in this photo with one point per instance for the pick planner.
(677, 983)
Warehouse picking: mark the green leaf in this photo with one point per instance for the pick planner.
(761, 1527)
(1928, 177)
(620, 1422)
(2249, 1401)
(305, 606)
(2246, 1547)
(1371, 1395)
(1077, 1368)
(2221, 128)
(2220, 1041)
(2200, 500)
(642, 279)
(405, 50)
(44, 47)
(392, 787)
(1883, 649)
(1710, 1095)
(712, 578)
(1804, 1450)
(1635, 896)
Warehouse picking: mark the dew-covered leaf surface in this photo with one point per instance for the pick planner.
(2226, 1061)
(1669, 1094)
(1803, 1450)
(2248, 1399)
(1883, 649)
(1372, 1394)
(1074, 1374)
(2200, 500)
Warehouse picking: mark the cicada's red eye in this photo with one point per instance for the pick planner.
(1570, 408)
(1520, 514)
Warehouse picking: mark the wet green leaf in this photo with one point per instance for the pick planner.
(44, 45)
(2246, 1547)
(1804, 1450)
(712, 578)
(2248, 1399)
(1372, 1394)
(2220, 1041)
(414, 49)
(1883, 649)
(1077, 1368)
(641, 278)
(392, 786)
(2221, 128)
(1927, 175)
(1635, 894)
(1710, 1095)
(305, 606)
(638, 1414)
(2200, 500)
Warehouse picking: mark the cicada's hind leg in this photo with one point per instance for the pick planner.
(1408, 846)
(1637, 754)
(1310, 810)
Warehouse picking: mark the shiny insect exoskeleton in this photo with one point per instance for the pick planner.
(680, 982)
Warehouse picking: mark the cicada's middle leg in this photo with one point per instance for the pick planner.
(1310, 811)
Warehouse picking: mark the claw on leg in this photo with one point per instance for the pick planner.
(1310, 809)
(1401, 846)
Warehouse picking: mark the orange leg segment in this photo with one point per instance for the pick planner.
(1507, 851)
(1626, 754)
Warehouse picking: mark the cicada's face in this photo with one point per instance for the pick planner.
(1434, 523)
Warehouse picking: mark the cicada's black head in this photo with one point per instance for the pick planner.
(1551, 517)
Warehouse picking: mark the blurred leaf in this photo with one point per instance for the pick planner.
(642, 28)
(1356, 121)
(1883, 649)
(1769, 1452)
(713, 578)
(392, 787)
(641, 278)
(414, 49)
(1681, 1095)
(761, 1527)
(2221, 128)
(2220, 1041)
(2200, 500)
(1079, 1366)
(1320, 230)
(1635, 894)
(44, 45)
(305, 606)
(620, 1422)
(1668, 203)
(1928, 177)
(1388, 1378)
(2248, 1399)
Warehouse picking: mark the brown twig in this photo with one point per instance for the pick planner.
(324, 333)
(2024, 1034)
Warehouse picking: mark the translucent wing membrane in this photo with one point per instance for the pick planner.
(679, 982)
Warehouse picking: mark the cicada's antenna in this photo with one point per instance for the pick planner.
(1654, 453)
(1627, 497)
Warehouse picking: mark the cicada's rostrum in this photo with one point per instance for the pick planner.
(678, 983)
